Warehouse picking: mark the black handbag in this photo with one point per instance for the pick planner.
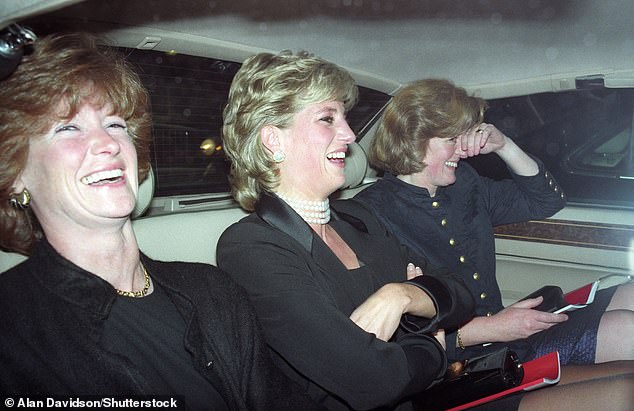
(479, 377)
(553, 298)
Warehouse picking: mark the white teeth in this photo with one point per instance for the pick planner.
(102, 175)
(453, 164)
(338, 154)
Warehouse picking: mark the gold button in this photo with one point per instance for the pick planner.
(452, 242)
(435, 204)
(489, 314)
(483, 296)
(476, 276)
(556, 189)
(551, 183)
(561, 195)
(546, 174)
(463, 259)
(443, 222)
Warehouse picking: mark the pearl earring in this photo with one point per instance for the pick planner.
(279, 156)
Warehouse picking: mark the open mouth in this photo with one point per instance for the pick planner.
(337, 156)
(453, 164)
(103, 177)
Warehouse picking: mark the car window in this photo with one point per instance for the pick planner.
(584, 137)
(188, 94)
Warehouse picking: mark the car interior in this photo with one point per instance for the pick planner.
(558, 77)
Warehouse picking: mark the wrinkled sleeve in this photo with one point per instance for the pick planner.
(454, 303)
(523, 198)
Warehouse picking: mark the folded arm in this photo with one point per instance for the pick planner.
(305, 326)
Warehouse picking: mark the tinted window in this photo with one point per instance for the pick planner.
(188, 95)
(584, 137)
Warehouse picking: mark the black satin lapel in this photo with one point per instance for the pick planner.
(279, 215)
(347, 210)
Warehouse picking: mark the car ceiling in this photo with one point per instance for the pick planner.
(485, 45)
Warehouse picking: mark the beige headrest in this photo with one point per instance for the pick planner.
(356, 166)
(144, 198)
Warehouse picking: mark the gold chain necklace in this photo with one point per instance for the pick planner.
(137, 294)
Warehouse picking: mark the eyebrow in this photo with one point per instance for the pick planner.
(327, 109)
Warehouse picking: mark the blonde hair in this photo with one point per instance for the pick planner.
(270, 89)
(73, 68)
(420, 111)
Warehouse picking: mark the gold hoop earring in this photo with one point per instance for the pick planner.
(20, 201)
(279, 156)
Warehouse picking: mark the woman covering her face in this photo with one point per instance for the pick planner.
(440, 207)
(343, 311)
(87, 313)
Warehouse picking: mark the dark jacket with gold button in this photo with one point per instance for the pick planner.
(455, 228)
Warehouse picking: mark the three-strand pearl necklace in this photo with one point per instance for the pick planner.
(313, 212)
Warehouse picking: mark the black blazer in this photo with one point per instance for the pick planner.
(304, 296)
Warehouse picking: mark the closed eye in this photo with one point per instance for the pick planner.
(118, 125)
(65, 127)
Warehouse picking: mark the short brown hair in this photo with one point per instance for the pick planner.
(418, 112)
(61, 67)
(270, 89)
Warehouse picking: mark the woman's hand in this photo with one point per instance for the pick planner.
(486, 138)
(440, 336)
(481, 139)
(515, 322)
(413, 271)
(519, 320)
(381, 313)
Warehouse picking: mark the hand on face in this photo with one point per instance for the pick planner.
(480, 139)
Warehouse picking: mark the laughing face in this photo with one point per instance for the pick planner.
(315, 145)
(441, 161)
(83, 170)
